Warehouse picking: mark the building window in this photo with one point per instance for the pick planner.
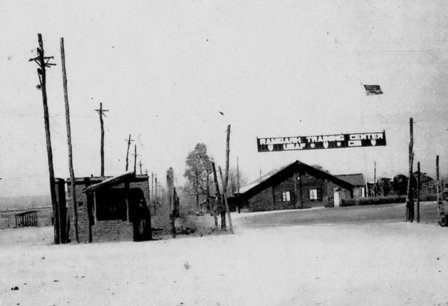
(316, 194)
(286, 196)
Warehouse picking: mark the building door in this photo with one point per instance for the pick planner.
(337, 198)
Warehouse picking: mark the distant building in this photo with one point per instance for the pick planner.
(109, 208)
(357, 180)
(26, 218)
(428, 184)
(296, 185)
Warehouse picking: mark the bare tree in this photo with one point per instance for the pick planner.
(233, 181)
(198, 169)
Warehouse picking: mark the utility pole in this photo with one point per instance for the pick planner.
(409, 200)
(439, 201)
(374, 178)
(69, 142)
(129, 140)
(171, 199)
(238, 185)
(418, 191)
(152, 186)
(152, 197)
(135, 158)
(222, 211)
(140, 165)
(156, 188)
(101, 112)
(44, 62)
(227, 178)
(217, 195)
(208, 187)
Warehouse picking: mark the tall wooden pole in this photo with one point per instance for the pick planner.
(227, 177)
(374, 178)
(238, 184)
(156, 186)
(43, 63)
(101, 112)
(228, 214)
(152, 186)
(208, 188)
(129, 140)
(409, 200)
(300, 189)
(69, 142)
(439, 201)
(135, 159)
(223, 212)
(102, 139)
(170, 186)
(418, 192)
(140, 165)
(217, 195)
(296, 198)
(227, 155)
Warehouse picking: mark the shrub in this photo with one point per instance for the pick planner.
(347, 202)
(373, 201)
(428, 197)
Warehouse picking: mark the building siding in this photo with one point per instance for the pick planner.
(109, 230)
(262, 201)
(270, 198)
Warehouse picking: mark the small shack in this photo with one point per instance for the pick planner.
(296, 185)
(110, 208)
(26, 218)
(357, 180)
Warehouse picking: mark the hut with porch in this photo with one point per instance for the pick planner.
(109, 208)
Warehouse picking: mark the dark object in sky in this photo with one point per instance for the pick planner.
(373, 90)
(221, 113)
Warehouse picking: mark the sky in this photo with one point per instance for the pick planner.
(165, 69)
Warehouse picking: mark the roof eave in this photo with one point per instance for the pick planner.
(126, 177)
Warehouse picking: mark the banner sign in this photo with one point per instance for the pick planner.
(336, 141)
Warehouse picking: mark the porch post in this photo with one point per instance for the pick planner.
(126, 196)
(295, 190)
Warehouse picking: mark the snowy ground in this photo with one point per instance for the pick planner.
(388, 263)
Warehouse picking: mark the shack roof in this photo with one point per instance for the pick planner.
(356, 179)
(288, 170)
(123, 178)
(26, 212)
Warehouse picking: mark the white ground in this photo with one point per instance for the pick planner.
(373, 264)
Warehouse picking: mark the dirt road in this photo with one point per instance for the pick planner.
(388, 263)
